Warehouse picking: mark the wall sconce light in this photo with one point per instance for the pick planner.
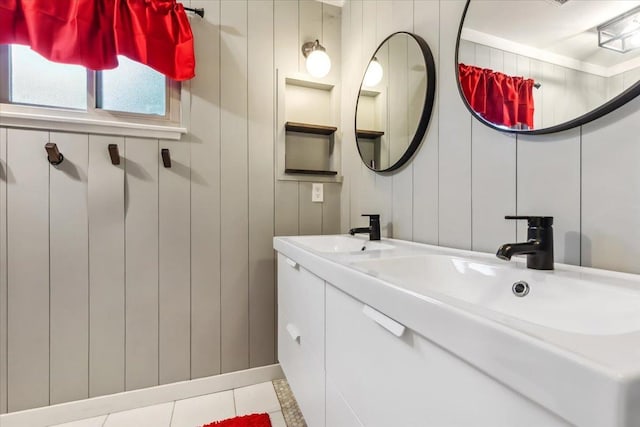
(622, 33)
(374, 73)
(318, 62)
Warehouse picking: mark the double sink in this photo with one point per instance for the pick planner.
(572, 343)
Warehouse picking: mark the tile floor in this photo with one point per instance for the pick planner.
(195, 411)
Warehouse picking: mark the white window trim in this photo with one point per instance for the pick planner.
(97, 121)
(71, 121)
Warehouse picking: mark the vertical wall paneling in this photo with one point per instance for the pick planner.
(106, 268)
(234, 186)
(174, 273)
(261, 92)
(286, 208)
(454, 149)
(28, 270)
(331, 210)
(141, 285)
(369, 203)
(204, 137)
(352, 75)
(402, 18)
(310, 212)
(309, 26)
(610, 189)
(346, 150)
(69, 270)
(384, 183)
(4, 178)
(547, 162)
(494, 187)
(425, 162)
(286, 57)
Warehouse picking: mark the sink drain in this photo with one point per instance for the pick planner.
(520, 289)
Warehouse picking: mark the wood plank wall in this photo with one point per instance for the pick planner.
(115, 278)
(465, 177)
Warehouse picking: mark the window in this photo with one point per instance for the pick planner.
(132, 94)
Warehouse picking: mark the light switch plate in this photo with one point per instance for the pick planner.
(317, 193)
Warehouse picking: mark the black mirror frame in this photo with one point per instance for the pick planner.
(426, 109)
(592, 115)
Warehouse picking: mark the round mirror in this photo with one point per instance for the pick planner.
(542, 66)
(395, 101)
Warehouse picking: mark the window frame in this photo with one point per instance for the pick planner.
(93, 119)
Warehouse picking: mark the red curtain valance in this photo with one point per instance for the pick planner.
(93, 32)
(499, 98)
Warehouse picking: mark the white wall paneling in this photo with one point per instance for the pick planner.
(310, 213)
(425, 163)
(493, 195)
(69, 269)
(141, 272)
(402, 18)
(611, 191)
(454, 143)
(106, 268)
(204, 141)
(541, 160)
(261, 127)
(234, 236)
(174, 269)
(4, 178)
(28, 270)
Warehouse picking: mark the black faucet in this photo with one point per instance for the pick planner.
(373, 229)
(539, 244)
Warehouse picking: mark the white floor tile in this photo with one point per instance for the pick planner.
(201, 410)
(256, 399)
(277, 419)
(148, 416)
(87, 422)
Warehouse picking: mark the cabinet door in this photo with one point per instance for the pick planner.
(301, 337)
(391, 376)
(338, 413)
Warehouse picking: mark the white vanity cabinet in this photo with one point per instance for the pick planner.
(350, 365)
(391, 376)
(301, 337)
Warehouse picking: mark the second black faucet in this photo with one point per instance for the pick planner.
(373, 229)
(539, 245)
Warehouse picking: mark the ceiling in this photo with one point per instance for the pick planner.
(568, 30)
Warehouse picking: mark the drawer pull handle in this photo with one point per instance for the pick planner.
(386, 322)
(291, 262)
(293, 332)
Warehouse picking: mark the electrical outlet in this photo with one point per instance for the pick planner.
(317, 193)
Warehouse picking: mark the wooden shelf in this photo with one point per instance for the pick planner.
(309, 172)
(368, 134)
(309, 128)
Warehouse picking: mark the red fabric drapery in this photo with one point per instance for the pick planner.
(93, 32)
(499, 98)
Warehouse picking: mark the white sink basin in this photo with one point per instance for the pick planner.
(339, 244)
(572, 344)
(562, 300)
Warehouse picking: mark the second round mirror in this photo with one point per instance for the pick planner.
(395, 102)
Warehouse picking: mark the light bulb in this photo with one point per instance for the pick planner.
(318, 63)
(374, 73)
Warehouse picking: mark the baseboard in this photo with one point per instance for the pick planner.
(87, 408)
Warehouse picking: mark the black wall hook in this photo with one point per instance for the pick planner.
(114, 153)
(54, 155)
(166, 157)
